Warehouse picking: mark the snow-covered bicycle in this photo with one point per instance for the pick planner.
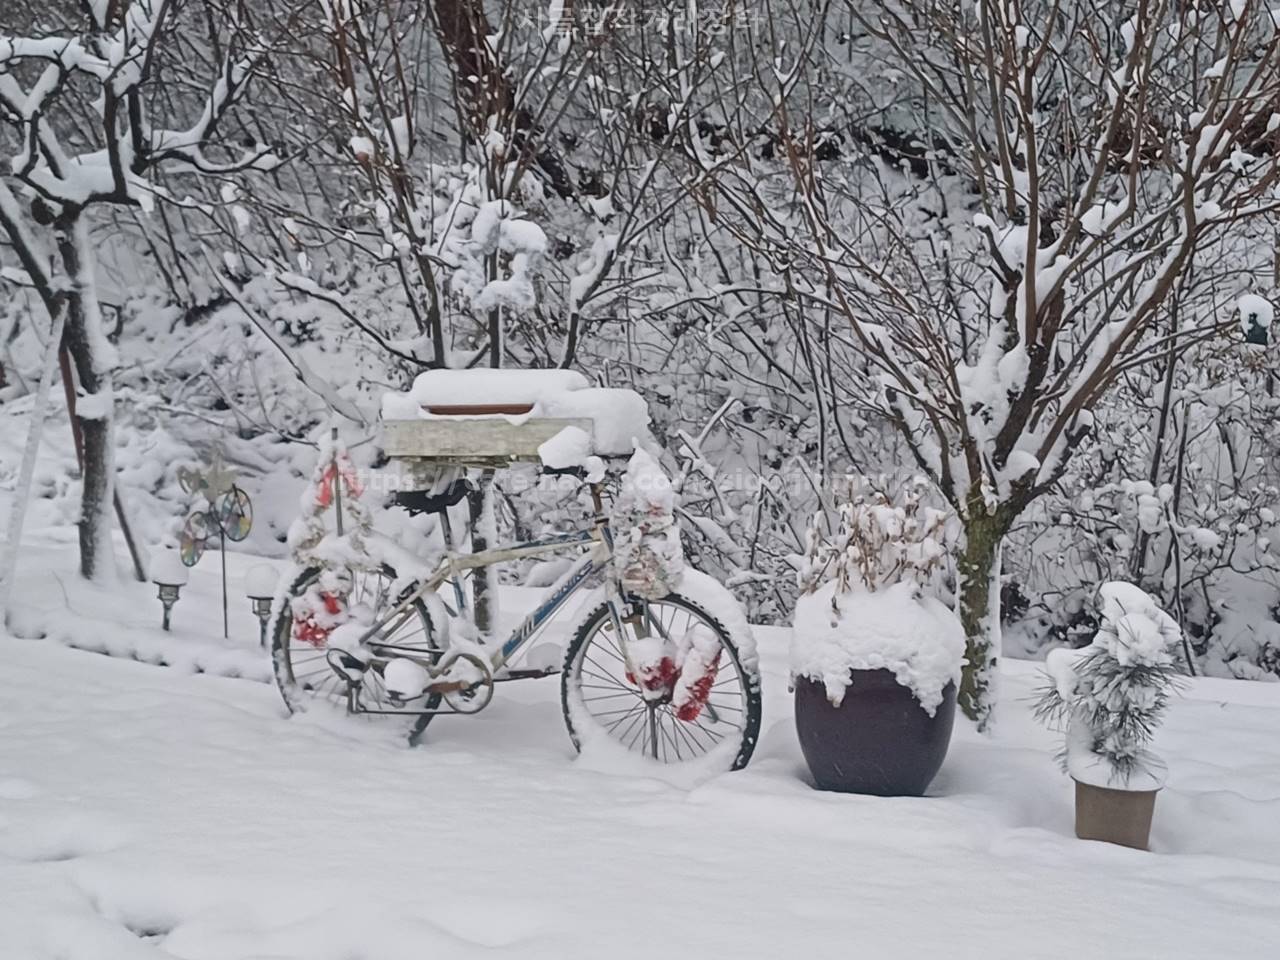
(670, 674)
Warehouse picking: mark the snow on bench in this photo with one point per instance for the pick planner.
(487, 417)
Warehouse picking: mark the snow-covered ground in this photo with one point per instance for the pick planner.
(150, 813)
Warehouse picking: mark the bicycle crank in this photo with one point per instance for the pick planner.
(463, 680)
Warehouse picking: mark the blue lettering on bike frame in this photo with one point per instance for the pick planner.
(547, 608)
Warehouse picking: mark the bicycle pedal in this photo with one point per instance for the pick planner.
(350, 668)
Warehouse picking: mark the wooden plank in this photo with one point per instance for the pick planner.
(482, 442)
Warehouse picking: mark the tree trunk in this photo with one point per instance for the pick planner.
(484, 92)
(95, 501)
(92, 356)
(978, 567)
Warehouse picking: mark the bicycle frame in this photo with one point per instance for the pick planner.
(453, 565)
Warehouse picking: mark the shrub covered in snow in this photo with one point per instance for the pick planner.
(1111, 695)
(870, 596)
(877, 542)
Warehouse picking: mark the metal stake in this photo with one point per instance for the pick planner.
(337, 486)
(222, 548)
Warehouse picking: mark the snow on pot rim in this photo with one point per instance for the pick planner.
(1094, 770)
(916, 637)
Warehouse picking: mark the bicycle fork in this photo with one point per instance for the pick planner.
(639, 624)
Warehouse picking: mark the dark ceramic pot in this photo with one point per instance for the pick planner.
(879, 740)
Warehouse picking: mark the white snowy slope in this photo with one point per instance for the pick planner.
(149, 813)
(122, 618)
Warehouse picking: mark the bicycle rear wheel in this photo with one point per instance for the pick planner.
(303, 675)
(681, 717)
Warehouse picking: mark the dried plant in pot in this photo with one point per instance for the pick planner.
(1109, 698)
(876, 653)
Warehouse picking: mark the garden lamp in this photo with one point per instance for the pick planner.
(169, 575)
(260, 586)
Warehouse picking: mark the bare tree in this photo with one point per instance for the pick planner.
(90, 125)
(1079, 162)
(417, 124)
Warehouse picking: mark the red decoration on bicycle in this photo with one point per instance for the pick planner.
(689, 686)
(698, 653)
(656, 677)
(307, 628)
(699, 692)
(339, 467)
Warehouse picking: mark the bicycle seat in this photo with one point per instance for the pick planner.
(421, 501)
(612, 464)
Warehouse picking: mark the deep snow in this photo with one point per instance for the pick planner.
(150, 813)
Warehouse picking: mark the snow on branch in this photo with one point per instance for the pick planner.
(1080, 181)
(118, 60)
(187, 145)
(313, 381)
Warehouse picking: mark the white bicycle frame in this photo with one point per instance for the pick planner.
(452, 566)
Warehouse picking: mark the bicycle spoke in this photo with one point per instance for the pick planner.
(610, 680)
(611, 696)
(710, 733)
(725, 707)
(610, 686)
(637, 721)
(669, 737)
(613, 725)
(596, 665)
(608, 713)
(613, 651)
(615, 648)
(616, 687)
(691, 740)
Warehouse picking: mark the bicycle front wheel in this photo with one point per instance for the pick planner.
(698, 703)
